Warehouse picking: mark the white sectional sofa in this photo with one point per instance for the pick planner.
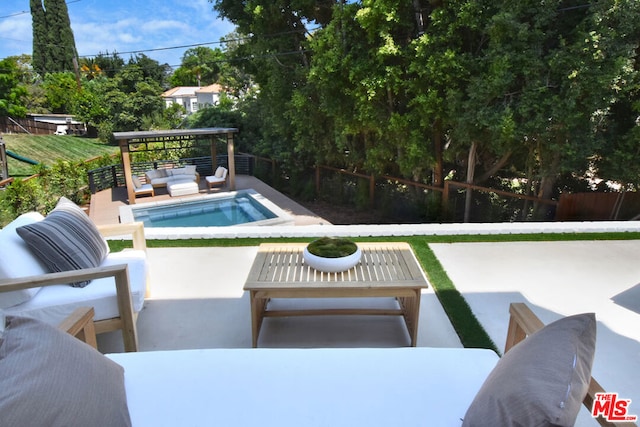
(30, 286)
(541, 380)
(162, 177)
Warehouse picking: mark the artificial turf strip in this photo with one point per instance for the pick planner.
(466, 325)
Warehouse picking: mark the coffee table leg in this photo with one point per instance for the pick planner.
(411, 311)
(258, 306)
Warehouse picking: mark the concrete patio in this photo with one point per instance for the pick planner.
(197, 299)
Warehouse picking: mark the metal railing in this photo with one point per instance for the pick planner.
(113, 175)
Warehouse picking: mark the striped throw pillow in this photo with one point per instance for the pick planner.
(66, 240)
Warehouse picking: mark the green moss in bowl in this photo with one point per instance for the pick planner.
(330, 247)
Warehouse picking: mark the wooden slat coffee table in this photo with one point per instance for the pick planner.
(385, 270)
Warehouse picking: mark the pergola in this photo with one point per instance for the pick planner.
(158, 140)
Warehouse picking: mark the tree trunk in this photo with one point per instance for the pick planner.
(419, 18)
(471, 167)
(438, 179)
(499, 164)
(547, 183)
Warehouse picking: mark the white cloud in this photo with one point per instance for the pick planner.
(161, 26)
(16, 35)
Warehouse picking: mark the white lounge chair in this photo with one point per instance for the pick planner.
(116, 291)
(219, 178)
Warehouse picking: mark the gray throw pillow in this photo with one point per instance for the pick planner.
(66, 240)
(49, 378)
(542, 381)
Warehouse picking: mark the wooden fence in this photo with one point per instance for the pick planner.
(27, 125)
(406, 198)
(599, 206)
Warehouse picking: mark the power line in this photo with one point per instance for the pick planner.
(25, 12)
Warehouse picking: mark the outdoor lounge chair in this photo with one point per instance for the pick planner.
(312, 387)
(141, 189)
(116, 286)
(217, 179)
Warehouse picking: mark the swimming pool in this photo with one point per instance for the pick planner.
(246, 207)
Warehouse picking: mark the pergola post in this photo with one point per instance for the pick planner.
(214, 156)
(232, 161)
(126, 165)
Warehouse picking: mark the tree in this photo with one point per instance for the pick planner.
(12, 92)
(200, 67)
(109, 64)
(482, 91)
(151, 69)
(274, 53)
(128, 101)
(59, 91)
(543, 87)
(54, 47)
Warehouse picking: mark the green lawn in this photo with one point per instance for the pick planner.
(47, 149)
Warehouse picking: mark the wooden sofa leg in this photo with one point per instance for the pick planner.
(80, 325)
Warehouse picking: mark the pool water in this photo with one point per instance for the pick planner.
(237, 209)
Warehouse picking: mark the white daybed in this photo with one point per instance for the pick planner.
(335, 387)
(117, 281)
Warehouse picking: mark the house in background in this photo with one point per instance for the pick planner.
(192, 98)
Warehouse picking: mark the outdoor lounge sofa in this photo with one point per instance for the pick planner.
(35, 280)
(313, 387)
(163, 177)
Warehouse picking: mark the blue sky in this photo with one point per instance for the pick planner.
(121, 26)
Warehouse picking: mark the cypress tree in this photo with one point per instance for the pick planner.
(54, 46)
(40, 39)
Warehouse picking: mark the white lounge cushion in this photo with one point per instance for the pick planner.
(53, 303)
(144, 188)
(312, 387)
(160, 180)
(155, 173)
(136, 182)
(16, 260)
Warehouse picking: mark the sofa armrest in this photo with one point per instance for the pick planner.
(80, 325)
(133, 229)
(123, 292)
(522, 323)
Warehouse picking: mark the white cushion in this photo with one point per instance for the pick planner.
(160, 181)
(53, 303)
(16, 260)
(144, 188)
(153, 174)
(219, 172)
(311, 387)
(136, 182)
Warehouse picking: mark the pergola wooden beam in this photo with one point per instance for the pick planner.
(126, 139)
